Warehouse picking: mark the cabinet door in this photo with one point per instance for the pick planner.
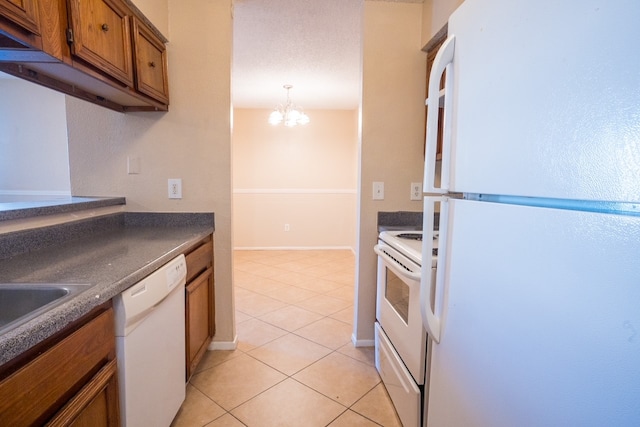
(199, 322)
(22, 12)
(101, 36)
(39, 389)
(96, 405)
(151, 63)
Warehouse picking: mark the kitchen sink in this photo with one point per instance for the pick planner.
(21, 302)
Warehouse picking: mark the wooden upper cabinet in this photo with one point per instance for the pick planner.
(23, 13)
(101, 36)
(103, 51)
(151, 62)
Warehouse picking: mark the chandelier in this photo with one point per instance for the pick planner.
(290, 114)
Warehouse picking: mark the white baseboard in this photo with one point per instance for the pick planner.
(362, 343)
(224, 345)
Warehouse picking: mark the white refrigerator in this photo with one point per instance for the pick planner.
(536, 314)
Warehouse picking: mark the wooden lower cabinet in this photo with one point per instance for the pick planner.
(71, 381)
(96, 405)
(200, 303)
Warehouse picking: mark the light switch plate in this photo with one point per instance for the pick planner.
(378, 191)
(133, 165)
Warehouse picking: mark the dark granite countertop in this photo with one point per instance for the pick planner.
(111, 258)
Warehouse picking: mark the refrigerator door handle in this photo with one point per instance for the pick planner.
(428, 289)
(442, 61)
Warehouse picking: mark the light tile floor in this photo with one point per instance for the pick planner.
(295, 364)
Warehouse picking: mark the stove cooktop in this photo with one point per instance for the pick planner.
(410, 244)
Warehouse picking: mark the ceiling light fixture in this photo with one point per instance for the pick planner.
(290, 114)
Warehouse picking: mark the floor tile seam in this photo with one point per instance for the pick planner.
(338, 285)
(357, 413)
(305, 298)
(340, 298)
(286, 279)
(325, 293)
(322, 394)
(236, 286)
(216, 365)
(338, 416)
(273, 268)
(297, 329)
(255, 396)
(288, 286)
(315, 342)
(246, 314)
(331, 350)
(365, 417)
(331, 277)
(226, 413)
(273, 367)
(362, 397)
(250, 398)
(271, 340)
(324, 316)
(269, 311)
(354, 358)
(297, 335)
(209, 398)
(263, 302)
(286, 305)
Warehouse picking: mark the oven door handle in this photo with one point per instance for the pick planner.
(383, 252)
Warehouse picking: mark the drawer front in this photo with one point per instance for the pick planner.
(36, 391)
(151, 63)
(402, 389)
(21, 12)
(102, 37)
(199, 260)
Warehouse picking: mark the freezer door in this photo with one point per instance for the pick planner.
(545, 99)
(540, 319)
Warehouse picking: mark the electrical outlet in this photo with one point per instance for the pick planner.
(175, 188)
(286, 227)
(416, 191)
(378, 191)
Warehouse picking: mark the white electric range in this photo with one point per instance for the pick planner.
(400, 338)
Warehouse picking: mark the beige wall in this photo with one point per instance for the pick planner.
(33, 159)
(192, 141)
(392, 133)
(304, 176)
(435, 14)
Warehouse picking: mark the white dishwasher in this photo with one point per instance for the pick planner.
(150, 347)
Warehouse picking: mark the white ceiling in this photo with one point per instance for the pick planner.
(313, 45)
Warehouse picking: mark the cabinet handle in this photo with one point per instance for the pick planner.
(152, 64)
(105, 27)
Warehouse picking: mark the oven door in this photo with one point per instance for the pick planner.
(398, 308)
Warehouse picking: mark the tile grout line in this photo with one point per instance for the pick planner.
(316, 275)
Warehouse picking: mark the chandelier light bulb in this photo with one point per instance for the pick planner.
(290, 114)
(275, 118)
